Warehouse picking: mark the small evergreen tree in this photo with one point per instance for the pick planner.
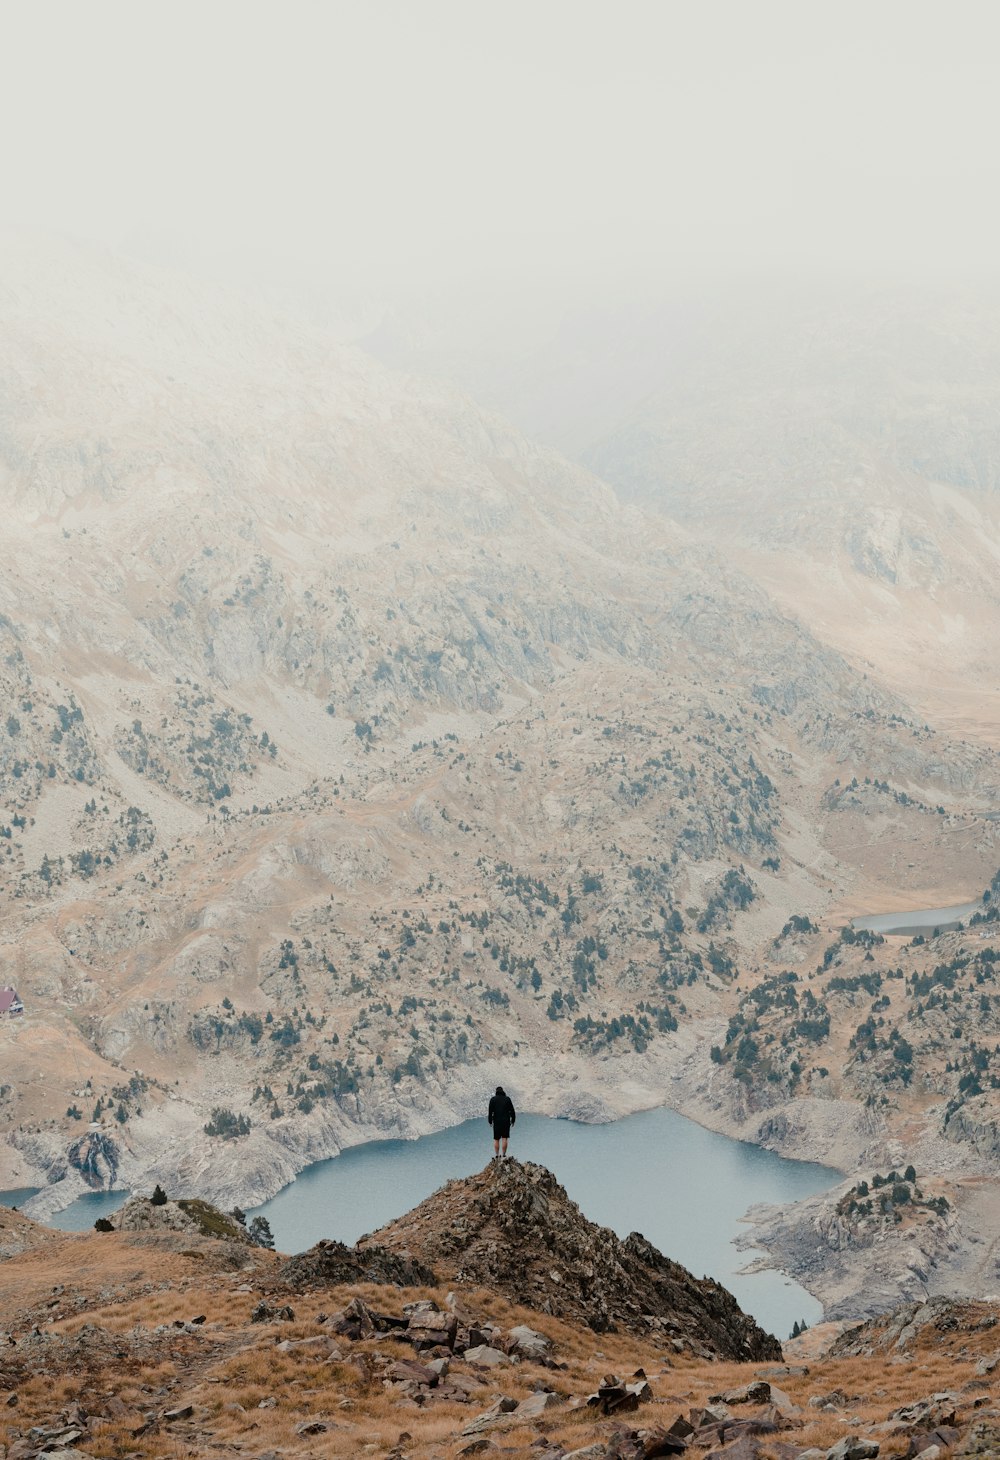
(260, 1233)
(159, 1197)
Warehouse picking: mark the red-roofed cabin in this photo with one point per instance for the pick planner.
(10, 1003)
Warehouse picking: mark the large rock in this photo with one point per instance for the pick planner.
(486, 1356)
(513, 1229)
(527, 1342)
(853, 1448)
(428, 1327)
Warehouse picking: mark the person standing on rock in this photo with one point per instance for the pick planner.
(501, 1116)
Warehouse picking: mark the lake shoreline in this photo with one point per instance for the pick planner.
(675, 1074)
(912, 922)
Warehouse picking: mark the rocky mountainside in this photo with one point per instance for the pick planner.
(845, 449)
(170, 1340)
(905, 1029)
(840, 441)
(513, 1229)
(353, 747)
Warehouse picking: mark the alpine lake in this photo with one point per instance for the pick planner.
(684, 1188)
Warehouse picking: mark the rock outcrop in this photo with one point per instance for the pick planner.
(141, 1214)
(899, 1331)
(512, 1228)
(330, 1264)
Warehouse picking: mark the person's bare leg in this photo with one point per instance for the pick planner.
(503, 1144)
(496, 1149)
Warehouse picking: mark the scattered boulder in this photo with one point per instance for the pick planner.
(745, 1447)
(497, 1412)
(756, 1393)
(536, 1404)
(427, 1327)
(637, 1445)
(527, 1343)
(853, 1448)
(485, 1356)
(358, 1321)
(936, 1409)
(265, 1312)
(938, 1440)
(408, 1370)
(615, 1397)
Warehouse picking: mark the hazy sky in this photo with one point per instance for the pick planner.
(394, 147)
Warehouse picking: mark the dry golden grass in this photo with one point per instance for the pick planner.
(228, 1367)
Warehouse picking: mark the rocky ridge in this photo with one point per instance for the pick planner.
(513, 1229)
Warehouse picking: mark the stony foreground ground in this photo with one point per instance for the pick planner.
(165, 1344)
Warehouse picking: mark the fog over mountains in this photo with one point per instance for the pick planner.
(842, 444)
(354, 745)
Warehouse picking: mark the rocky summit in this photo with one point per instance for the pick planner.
(512, 1228)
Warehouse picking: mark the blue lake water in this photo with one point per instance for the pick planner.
(17, 1197)
(79, 1215)
(922, 920)
(682, 1187)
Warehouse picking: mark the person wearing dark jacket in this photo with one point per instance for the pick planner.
(501, 1116)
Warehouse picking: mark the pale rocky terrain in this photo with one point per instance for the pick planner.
(356, 753)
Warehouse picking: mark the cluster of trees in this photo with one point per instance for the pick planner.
(226, 1124)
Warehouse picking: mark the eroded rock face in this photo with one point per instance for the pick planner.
(96, 1156)
(512, 1228)
(899, 1331)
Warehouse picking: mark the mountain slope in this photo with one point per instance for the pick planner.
(353, 745)
(845, 451)
(170, 1339)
